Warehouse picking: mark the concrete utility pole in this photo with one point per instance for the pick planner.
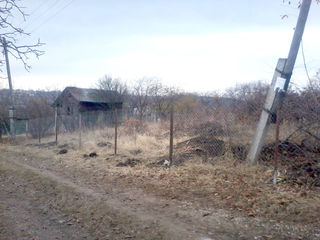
(279, 85)
(11, 107)
(266, 115)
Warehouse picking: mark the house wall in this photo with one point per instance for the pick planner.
(89, 106)
(69, 105)
(93, 114)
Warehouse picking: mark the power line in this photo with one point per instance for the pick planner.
(49, 18)
(41, 14)
(37, 8)
(304, 62)
(52, 16)
(30, 14)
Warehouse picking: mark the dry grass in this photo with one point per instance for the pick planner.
(246, 191)
(223, 183)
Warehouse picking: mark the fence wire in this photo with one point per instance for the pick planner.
(219, 124)
(203, 127)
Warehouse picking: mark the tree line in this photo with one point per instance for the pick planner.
(150, 99)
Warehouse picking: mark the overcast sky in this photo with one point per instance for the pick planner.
(196, 45)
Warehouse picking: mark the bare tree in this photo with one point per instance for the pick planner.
(10, 11)
(40, 112)
(141, 96)
(150, 98)
(114, 86)
(160, 96)
(250, 98)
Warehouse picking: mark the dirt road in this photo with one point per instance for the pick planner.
(39, 201)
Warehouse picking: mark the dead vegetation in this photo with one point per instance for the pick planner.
(130, 162)
(208, 170)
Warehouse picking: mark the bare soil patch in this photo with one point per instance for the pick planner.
(23, 214)
(38, 204)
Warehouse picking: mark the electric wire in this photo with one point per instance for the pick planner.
(50, 7)
(32, 12)
(304, 63)
(49, 18)
(52, 16)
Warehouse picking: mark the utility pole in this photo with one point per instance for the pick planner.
(279, 85)
(11, 106)
(267, 114)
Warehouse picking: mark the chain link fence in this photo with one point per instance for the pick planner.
(204, 128)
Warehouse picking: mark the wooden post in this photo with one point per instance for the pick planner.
(284, 72)
(56, 123)
(80, 129)
(171, 135)
(115, 131)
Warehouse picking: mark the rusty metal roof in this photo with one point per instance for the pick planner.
(88, 95)
(92, 95)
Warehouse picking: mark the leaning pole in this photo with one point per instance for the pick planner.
(279, 85)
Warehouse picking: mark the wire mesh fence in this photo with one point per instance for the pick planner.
(208, 131)
(224, 119)
(204, 127)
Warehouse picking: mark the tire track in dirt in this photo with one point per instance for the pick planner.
(22, 218)
(32, 223)
(136, 203)
(176, 219)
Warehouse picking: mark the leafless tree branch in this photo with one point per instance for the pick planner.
(10, 9)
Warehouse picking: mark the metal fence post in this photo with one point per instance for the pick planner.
(27, 128)
(276, 148)
(115, 131)
(171, 136)
(12, 123)
(80, 129)
(56, 124)
(39, 129)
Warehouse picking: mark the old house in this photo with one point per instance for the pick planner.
(95, 106)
